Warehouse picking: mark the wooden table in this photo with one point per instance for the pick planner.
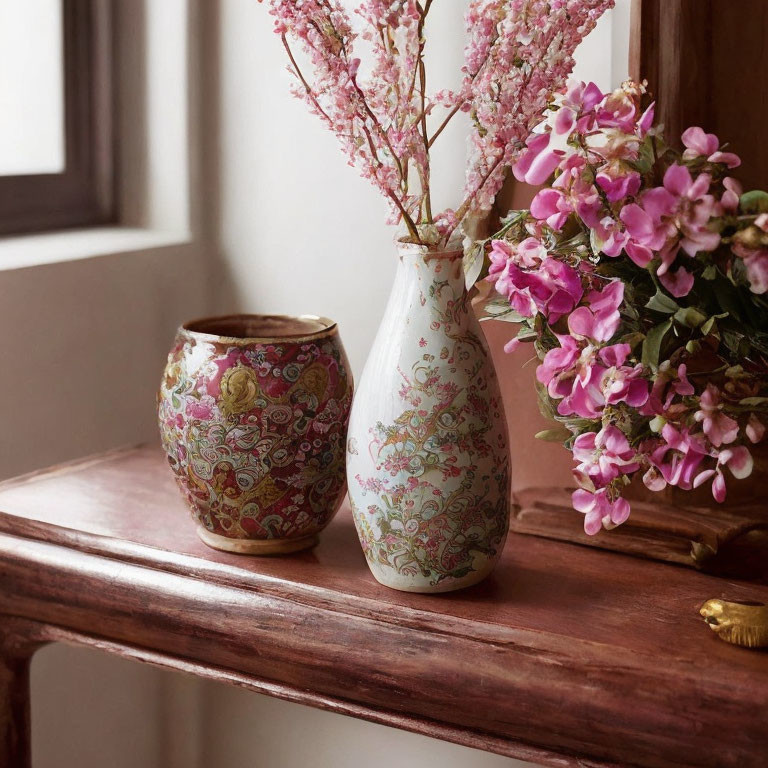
(567, 656)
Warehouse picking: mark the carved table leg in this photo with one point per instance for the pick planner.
(18, 641)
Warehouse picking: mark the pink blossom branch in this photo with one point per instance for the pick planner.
(519, 53)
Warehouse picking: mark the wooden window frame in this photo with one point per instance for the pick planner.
(83, 194)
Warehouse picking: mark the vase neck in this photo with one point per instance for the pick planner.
(432, 268)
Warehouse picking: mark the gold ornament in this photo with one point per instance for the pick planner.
(239, 390)
(314, 380)
(739, 623)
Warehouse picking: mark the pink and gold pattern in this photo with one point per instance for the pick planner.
(254, 428)
(427, 454)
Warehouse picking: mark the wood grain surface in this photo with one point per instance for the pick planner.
(566, 656)
(703, 60)
(698, 537)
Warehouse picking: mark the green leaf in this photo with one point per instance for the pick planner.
(733, 340)
(690, 317)
(527, 334)
(645, 157)
(657, 424)
(755, 201)
(546, 405)
(662, 303)
(557, 435)
(710, 324)
(753, 401)
(498, 306)
(579, 426)
(474, 262)
(693, 347)
(633, 339)
(653, 342)
(710, 273)
(595, 243)
(505, 317)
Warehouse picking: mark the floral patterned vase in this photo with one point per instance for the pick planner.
(253, 414)
(427, 451)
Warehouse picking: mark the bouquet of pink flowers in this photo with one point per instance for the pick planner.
(518, 53)
(640, 275)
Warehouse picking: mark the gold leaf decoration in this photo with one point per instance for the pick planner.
(239, 390)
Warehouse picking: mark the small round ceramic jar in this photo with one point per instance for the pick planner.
(253, 413)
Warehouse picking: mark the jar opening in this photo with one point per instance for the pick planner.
(260, 327)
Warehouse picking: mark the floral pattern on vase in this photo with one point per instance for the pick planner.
(254, 431)
(427, 453)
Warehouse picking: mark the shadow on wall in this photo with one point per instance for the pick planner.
(535, 463)
(286, 735)
(226, 299)
(84, 347)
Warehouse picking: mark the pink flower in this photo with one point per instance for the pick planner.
(738, 460)
(572, 375)
(672, 217)
(515, 62)
(600, 319)
(599, 510)
(530, 253)
(675, 215)
(609, 237)
(755, 429)
(756, 264)
(677, 459)
(586, 398)
(618, 111)
(645, 123)
(558, 361)
(538, 162)
(718, 427)
(678, 282)
(532, 281)
(646, 222)
(729, 200)
(556, 288)
(622, 383)
(552, 206)
(642, 255)
(585, 386)
(618, 186)
(668, 384)
(700, 144)
(603, 456)
(576, 108)
(694, 209)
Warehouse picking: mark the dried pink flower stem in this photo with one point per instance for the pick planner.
(519, 53)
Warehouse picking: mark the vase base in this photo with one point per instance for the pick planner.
(256, 546)
(403, 584)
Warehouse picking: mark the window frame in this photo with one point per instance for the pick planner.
(83, 194)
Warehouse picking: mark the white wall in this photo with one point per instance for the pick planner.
(296, 231)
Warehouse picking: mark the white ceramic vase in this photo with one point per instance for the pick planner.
(427, 451)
